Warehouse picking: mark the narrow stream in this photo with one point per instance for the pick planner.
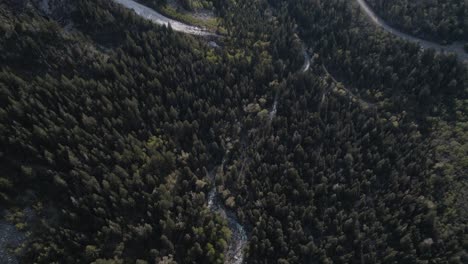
(272, 113)
(305, 67)
(235, 253)
(10, 239)
(455, 48)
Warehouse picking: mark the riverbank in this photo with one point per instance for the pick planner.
(200, 17)
(210, 23)
(160, 19)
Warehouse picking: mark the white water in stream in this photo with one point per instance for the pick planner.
(305, 67)
(10, 239)
(274, 109)
(455, 48)
(44, 6)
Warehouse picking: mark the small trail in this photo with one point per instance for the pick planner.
(455, 48)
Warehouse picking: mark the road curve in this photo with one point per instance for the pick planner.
(159, 19)
(455, 48)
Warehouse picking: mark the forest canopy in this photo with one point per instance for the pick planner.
(323, 139)
(440, 20)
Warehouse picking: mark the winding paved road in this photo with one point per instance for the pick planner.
(159, 19)
(456, 48)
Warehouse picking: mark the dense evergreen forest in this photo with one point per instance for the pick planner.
(111, 125)
(441, 20)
